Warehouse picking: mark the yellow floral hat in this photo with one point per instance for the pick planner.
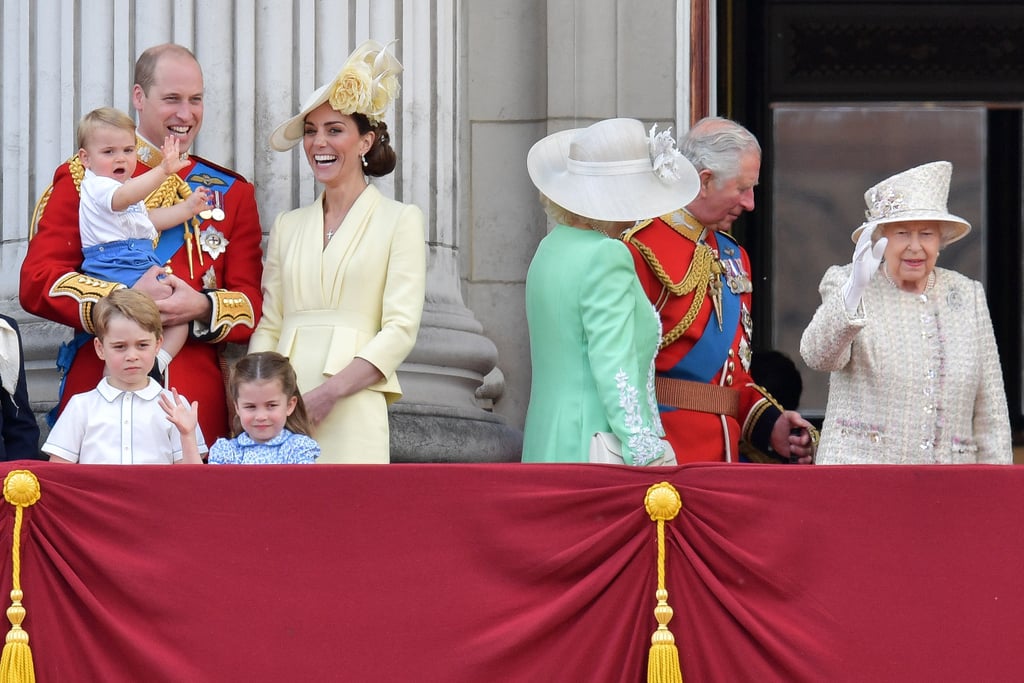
(367, 84)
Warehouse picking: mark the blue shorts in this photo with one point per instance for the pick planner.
(123, 261)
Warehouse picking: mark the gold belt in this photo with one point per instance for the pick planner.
(706, 398)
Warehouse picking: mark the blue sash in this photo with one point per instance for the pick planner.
(214, 179)
(706, 357)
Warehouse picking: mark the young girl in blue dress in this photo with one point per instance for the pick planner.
(274, 427)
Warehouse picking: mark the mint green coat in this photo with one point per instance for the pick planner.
(593, 336)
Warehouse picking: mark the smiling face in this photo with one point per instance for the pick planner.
(129, 351)
(263, 408)
(333, 146)
(173, 104)
(722, 201)
(109, 152)
(911, 253)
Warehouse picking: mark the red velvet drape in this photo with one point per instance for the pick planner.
(470, 573)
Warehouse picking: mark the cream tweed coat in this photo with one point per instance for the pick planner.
(915, 378)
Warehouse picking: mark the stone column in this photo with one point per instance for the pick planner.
(442, 415)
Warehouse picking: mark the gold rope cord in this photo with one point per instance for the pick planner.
(21, 489)
(700, 272)
(663, 503)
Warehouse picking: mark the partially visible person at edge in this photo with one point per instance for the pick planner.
(272, 425)
(593, 334)
(698, 278)
(345, 276)
(915, 369)
(19, 431)
(216, 263)
(776, 373)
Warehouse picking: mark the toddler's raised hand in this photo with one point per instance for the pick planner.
(172, 161)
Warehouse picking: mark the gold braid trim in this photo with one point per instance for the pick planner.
(755, 415)
(230, 309)
(44, 198)
(703, 270)
(86, 290)
(699, 274)
(680, 328)
(77, 173)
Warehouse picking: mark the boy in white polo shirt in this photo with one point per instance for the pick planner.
(128, 418)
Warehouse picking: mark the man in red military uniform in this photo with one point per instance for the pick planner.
(215, 263)
(698, 278)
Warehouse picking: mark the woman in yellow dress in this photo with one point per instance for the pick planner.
(344, 277)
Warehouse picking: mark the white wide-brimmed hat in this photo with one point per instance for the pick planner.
(366, 84)
(917, 194)
(612, 171)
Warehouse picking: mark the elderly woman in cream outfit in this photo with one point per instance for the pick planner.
(344, 278)
(915, 370)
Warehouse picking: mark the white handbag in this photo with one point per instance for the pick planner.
(606, 448)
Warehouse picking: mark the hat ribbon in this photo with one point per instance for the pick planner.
(599, 168)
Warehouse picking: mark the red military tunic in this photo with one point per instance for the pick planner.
(226, 263)
(696, 278)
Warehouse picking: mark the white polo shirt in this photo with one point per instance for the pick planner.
(108, 426)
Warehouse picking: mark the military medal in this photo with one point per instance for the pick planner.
(736, 277)
(213, 242)
(216, 211)
(745, 354)
(210, 279)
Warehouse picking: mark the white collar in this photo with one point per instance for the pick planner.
(111, 393)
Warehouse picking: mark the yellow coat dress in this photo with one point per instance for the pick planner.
(361, 296)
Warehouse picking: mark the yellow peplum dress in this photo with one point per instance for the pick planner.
(361, 296)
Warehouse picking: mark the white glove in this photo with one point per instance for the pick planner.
(865, 262)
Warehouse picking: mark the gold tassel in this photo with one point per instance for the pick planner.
(663, 503)
(21, 489)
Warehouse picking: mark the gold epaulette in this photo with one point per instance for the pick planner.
(77, 172)
(628, 234)
(230, 309)
(86, 291)
(700, 267)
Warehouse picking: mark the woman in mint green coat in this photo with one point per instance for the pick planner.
(593, 333)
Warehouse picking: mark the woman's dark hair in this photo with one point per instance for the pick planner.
(381, 159)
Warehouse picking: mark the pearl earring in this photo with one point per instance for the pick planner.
(363, 157)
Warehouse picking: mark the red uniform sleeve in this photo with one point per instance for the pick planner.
(54, 251)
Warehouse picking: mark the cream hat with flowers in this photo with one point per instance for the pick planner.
(917, 194)
(367, 84)
(612, 171)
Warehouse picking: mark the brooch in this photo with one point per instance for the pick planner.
(954, 300)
